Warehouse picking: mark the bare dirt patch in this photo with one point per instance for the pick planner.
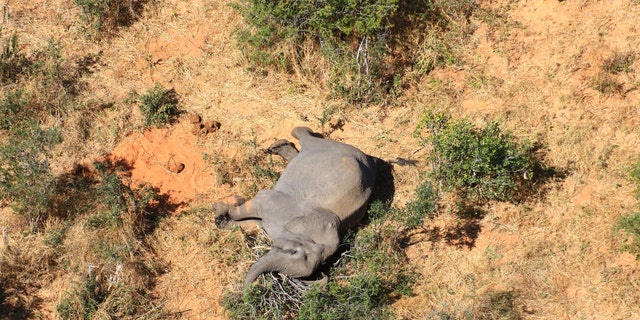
(170, 159)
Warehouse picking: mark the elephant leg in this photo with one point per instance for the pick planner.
(243, 212)
(234, 211)
(244, 224)
(243, 216)
(222, 208)
(283, 148)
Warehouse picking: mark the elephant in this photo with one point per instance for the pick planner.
(322, 192)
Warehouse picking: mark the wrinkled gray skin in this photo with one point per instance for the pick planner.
(322, 191)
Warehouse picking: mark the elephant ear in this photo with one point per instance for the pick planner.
(296, 258)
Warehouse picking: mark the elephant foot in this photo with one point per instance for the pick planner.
(222, 221)
(283, 148)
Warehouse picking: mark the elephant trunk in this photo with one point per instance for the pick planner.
(267, 263)
(292, 258)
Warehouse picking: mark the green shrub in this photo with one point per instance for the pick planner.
(350, 33)
(422, 206)
(479, 163)
(159, 106)
(25, 176)
(118, 201)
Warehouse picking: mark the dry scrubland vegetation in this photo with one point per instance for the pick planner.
(512, 131)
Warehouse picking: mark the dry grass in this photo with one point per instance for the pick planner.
(560, 73)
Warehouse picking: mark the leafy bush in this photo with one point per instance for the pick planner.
(479, 163)
(350, 33)
(363, 42)
(159, 106)
(25, 176)
(370, 274)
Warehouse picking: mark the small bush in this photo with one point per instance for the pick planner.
(25, 176)
(422, 206)
(89, 298)
(479, 163)
(83, 302)
(159, 106)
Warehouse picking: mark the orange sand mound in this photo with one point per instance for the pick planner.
(156, 155)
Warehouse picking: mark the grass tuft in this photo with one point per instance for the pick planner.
(619, 63)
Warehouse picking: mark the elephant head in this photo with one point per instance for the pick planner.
(295, 256)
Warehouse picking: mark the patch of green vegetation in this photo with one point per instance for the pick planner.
(369, 275)
(54, 236)
(630, 224)
(361, 41)
(13, 109)
(351, 34)
(634, 174)
(83, 303)
(26, 180)
(478, 163)
(159, 106)
(12, 61)
(434, 52)
(43, 84)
